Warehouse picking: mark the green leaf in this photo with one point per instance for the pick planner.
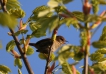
(10, 45)
(64, 53)
(48, 23)
(34, 27)
(95, 6)
(42, 56)
(21, 32)
(4, 69)
(30, 51)
(52, 3)
(83, 40)
(66, 1)
(18, 13)
(96, 56)
(66, 68)
(99, 44)
(38, 33)
(60, 9)
(70, 21)
(11, 4)
(102, 50)
(99, 68)
(103, 36)
(39, 9)
(78, 55)
(18, 62)
(79, 15)
(7, 20)
(45, 56)
(0, 45)
(102, 2)
(54, 22)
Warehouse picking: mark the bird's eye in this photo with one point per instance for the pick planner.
(61, 39)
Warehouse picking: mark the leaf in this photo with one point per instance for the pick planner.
(53, 23)
(11, 4)
(66, 68)
(83, 40)
(30, 51)
(42, 56)
(39, 9)
(95, 6)
(7, 20)
(10, 45)
(18, 62)
(96, 56)
(64, 53)
(60, 9)
(0, 45)
(99, 68)
(18, 13)
(102, 2)
(45, 56)
(78, 55)
(48, 23)
(38, 33)
(20, 32)
(34, 26)
(4, 69)
(103, 36)
(52, 3)
(66, 1)
(70, 21)
(79, 15)
(99, 44)
(102, 50)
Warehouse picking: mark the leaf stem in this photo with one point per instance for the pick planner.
(87, 47)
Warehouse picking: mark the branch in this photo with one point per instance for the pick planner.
(25, 60)
(53, 38)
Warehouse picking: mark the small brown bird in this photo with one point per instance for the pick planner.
(43, 45)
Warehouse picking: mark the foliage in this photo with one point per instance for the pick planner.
(45, 19)
(4, 69)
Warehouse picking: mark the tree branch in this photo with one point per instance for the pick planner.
(25, 60)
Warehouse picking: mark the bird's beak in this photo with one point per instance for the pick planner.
(65, 41)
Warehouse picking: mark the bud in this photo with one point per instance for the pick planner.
(86, 8)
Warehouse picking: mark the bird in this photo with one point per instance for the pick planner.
(44, 45)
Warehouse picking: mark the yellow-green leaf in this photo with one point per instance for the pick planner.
(4, 69)
(18, 13)
(96, 56)
(20, 32)
(18, 62)
(52, 3)
(10, 46)
(99, 44)
(7, 20)
(11, 4)
(30, 51)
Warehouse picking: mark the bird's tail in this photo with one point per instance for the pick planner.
(32, 44)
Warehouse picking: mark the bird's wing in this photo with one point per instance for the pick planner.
(44, 42)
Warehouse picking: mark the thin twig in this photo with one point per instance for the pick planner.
(48, 60)
(25, 60)
(86, 49)
(96, 30)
